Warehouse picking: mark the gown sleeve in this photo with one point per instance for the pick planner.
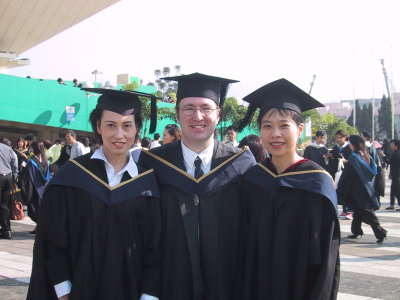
(150, 230)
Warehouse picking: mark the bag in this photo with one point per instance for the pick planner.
(339, 172)
(380, 182)
(17, 208)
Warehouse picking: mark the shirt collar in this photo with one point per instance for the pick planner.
(130, 167)
(189, 155)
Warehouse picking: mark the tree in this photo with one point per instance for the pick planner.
(166, 71)
(177, 69)
(385, 117)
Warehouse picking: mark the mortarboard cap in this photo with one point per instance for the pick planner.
(278, 94)
(125, 103)
(201, 85)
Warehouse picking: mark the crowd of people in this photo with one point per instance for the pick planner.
(186, 216)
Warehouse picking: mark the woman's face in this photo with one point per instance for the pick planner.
(279, 134)
(21, 144)
(167, 138)
(117, 132)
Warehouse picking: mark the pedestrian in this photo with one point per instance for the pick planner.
(77, 148)
(356, 187)
(8, 175)
(317, 152)
(202, 219)
(394, 174)
(33, 181)
(98, 233)
(230, 135)
(156, 142)
(172, 133)
(22, 151)
(255, 145)
(293, 230)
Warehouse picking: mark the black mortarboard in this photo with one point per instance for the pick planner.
(125, 103)
(278, 94)
(201, 85)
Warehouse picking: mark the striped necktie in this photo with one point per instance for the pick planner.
(198, 172)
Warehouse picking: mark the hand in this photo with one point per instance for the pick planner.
(65, 297)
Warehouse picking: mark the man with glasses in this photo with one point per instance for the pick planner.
(202, 221)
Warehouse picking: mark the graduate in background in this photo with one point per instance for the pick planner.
(99, 226)
(293, 231)
(202, 211)
(317, 152)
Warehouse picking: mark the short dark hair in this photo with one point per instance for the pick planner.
(95, 118)
(156, 136)
(71, 132)
(5, 141)
(366, 135)
(319, 133)
(396, 143)
(85, 141)
(291, 114)
(145, 142)
(233, 128)
(341, 132)
(255, 145)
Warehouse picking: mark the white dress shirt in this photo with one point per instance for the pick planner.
(64, 287)
(206, 158)
(77, 149)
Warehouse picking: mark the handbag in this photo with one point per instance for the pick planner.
(17, 208)
(339, 172)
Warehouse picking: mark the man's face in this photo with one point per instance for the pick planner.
(231, 134)
(340, 139)
(393, 147)
(320, 139)
(69, 138)
(198, 118)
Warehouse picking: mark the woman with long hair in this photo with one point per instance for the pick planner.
(293, 232)
(172, 133)
(98, 232)
(21, 149)
(356, 187)
(34, 179)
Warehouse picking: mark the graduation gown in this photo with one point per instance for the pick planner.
(202, 221)
(293, 234)
(104, 239)
(316, 153)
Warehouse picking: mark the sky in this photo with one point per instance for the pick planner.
(256, 42)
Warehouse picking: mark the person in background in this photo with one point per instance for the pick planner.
(146, 143)
(356, 187)
(60, 81)
(77, 149)
(34, 180)
(76, 83)
(8, 175)
(86, 145)
(340, 152)
(231, 135)
(99, 228)
(30, 138)
(293, 233)
(370, 146)
(171, 134)
(21, 150)
(156, 142)
(317, 152)
(256, 147)
(394, 174)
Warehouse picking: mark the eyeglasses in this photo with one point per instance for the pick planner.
(190, 111)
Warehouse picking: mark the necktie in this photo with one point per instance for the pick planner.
(198, 172)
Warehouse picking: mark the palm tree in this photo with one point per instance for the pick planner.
(157, 73)
(166, 71)
(178, 69)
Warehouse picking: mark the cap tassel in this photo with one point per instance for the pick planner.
(153, 114)
(247, 118)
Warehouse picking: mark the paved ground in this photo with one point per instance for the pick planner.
(368, 270)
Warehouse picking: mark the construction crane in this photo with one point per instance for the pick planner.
(312, 83)
(388, 92)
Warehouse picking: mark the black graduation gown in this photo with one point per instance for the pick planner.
(202, 221)
(293, 234)
(104, 239)
(316, 153)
